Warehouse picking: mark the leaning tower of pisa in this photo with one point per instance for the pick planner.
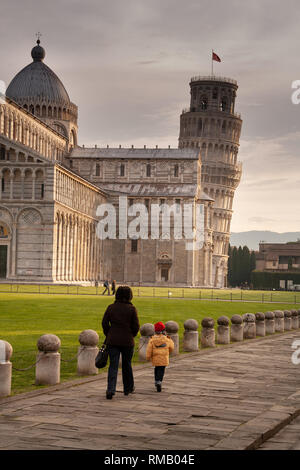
(212, 124)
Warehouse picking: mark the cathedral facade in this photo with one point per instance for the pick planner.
(52, 188)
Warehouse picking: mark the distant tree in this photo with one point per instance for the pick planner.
(229, 266)
(252, 261)
(241, 263)
(245, 266)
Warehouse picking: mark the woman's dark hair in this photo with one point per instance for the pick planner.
(124, 294)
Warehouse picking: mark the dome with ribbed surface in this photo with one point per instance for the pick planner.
(37, 83)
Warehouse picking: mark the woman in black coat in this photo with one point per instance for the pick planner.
(120, 325)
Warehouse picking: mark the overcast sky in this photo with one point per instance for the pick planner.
(127, 65)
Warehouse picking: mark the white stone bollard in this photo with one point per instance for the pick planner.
(295, 319)
(146, 330)
(279, 321)
(223, 333)
(287, 320)
(237, 328)
(260, 324)
(5, 368)
(190, 335)
(87, 352)
(47, 369)
(270, 323)
(249, 326)
(208, 337)
(172, 330)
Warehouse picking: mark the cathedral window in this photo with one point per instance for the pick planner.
(2, 184)
(134, 246)
(164, 274)
(97, 169)
(2, 153)
(147, 204)
(122, 169)
(176, 171)
(42, 190)
(215, 94)
(148, 170)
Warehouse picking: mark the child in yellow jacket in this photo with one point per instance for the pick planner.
(158, 350)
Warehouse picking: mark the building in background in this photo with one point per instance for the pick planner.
(51, 188)
(277, 265)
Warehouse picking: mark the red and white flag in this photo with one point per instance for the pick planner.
(215, 57)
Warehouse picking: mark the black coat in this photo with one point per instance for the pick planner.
(120, 324)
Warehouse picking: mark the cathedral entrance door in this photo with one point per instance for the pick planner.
(3, 261)
(164, 274)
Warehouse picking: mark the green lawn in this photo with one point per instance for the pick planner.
(162, 292)
(25, 317)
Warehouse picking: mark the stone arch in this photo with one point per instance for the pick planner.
(30, 216)
(28, 180)
(17, 183)
(73, 138)
(6, 215)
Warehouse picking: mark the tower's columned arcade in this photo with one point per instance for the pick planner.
(212, 125)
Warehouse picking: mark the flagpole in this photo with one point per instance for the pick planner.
(212, 62)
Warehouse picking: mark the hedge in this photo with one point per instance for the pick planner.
(271, 280)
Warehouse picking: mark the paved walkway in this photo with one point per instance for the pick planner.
(286, 439)
(231, 397)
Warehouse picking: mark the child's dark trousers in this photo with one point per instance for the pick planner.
(159, 372)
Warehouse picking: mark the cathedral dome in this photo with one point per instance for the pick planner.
(38, 84)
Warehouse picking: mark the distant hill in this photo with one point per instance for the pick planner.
(254, 237)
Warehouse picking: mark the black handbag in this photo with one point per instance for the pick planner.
(102, 357)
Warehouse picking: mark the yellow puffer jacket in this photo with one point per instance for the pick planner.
(159, 349)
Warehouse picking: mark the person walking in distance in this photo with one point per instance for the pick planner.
(120, 325)
(158, 350)
(113, 287)
(106, 285)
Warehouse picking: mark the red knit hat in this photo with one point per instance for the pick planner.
(159, 326)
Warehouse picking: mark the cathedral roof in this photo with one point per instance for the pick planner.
(37, 83)
(152, 189)
(156, 190)
(144, 153)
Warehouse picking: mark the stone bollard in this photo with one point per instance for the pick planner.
(223, 333)
(5, 368)
(279, 321)
(87, 352)
(260, 324)
(237, 328)
(190, 335)
(47, 369)
(270, 323)
(208, 333)
(287, 320)
(295, 319)
(146, 330)
(249, 326)
(172, 330)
